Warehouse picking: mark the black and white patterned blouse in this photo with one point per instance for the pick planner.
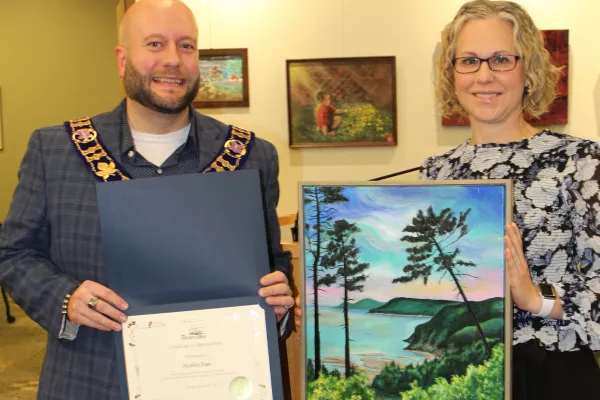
(557, 208)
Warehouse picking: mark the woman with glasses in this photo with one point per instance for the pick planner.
(494, 69)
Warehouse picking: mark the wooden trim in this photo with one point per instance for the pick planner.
(287, 219)
(292, 355)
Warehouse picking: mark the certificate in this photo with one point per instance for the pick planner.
(218, 353)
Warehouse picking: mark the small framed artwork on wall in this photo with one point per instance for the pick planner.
(223, 78)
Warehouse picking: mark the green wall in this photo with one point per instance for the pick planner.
(56, 63)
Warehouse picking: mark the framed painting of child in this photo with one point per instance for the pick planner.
(342, 102)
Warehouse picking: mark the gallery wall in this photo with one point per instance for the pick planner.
(41, 86)
(275, 30)
(57, 64)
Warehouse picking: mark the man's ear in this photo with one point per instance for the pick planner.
(121, 54)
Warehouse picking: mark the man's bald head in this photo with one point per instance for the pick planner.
(157, 56)
(140, 14)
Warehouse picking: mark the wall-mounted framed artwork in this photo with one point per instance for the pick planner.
(404, 289)
(223, 78)
(557, 44)
(342, 102)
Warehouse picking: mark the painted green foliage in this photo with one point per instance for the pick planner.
(481, 382)
(334, 388)
(484, 381)
(360, 123)
(394, 379)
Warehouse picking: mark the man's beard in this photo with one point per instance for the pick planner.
(137, 87)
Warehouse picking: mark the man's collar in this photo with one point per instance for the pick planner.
(127, 139)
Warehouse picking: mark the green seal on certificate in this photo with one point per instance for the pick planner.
(241, 388)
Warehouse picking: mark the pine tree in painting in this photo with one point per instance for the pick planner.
(342, 257)
(430, 236)
(318, 212)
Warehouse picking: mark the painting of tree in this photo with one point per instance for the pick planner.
(433, 238)
(342, 257)
(319, 203)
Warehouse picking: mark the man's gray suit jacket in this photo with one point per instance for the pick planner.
(50, 243)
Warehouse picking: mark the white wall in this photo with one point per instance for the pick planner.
(276, 30)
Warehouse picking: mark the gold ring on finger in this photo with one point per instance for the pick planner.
(92, 303)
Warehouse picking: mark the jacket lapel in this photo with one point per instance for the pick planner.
(210, 135)
(108, 126)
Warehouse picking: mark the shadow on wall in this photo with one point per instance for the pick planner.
(597, 104)
(445, 135)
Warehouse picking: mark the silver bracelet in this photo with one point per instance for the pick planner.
(65, 303)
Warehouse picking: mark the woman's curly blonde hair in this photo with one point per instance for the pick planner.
(541, 77)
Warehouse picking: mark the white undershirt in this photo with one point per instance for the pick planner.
(157, 148)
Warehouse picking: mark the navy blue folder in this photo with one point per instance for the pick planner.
(187, 242)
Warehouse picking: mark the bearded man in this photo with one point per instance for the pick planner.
(50, 245)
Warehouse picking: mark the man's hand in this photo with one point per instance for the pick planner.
(277, 292)
(106, 311)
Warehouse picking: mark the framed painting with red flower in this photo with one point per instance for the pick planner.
(557, 43)
(342, 102)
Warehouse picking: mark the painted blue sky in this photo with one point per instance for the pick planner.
(382, 212)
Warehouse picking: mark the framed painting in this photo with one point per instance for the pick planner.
(404, 289)
(223, 78)
(557, 44)
(342, 102)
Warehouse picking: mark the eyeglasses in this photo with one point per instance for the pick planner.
(498, 63)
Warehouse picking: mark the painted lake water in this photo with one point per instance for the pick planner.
(376, 339)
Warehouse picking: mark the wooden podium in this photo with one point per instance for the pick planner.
(290, 350)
